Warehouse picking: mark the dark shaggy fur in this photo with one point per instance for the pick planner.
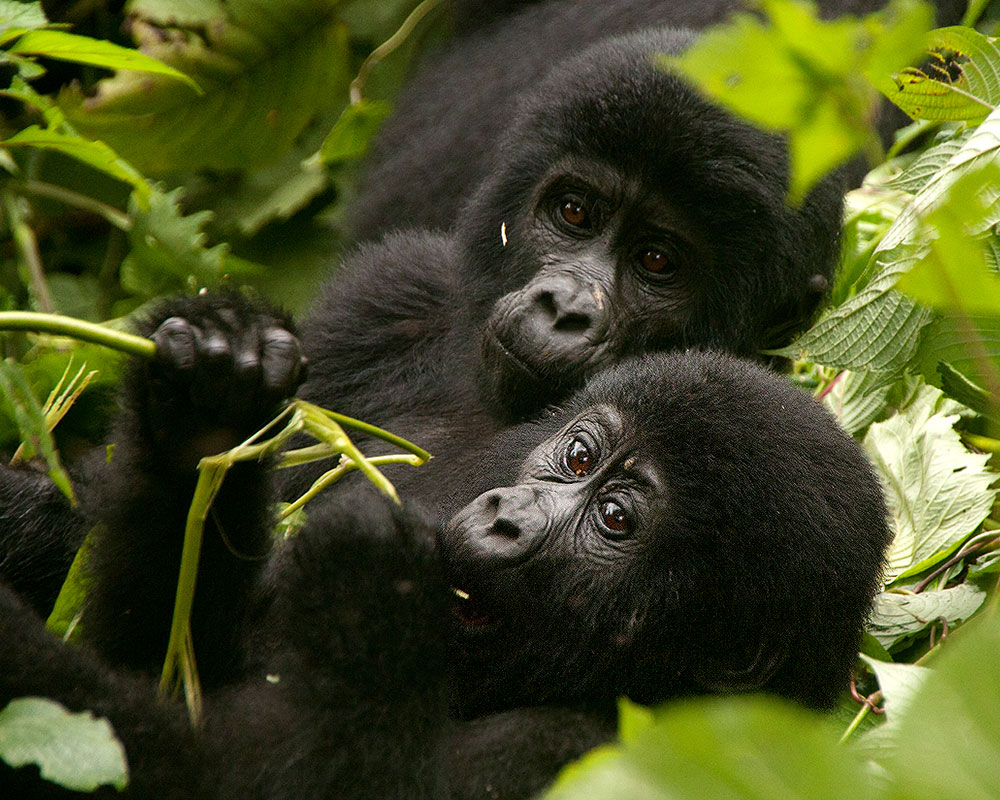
(338, 665)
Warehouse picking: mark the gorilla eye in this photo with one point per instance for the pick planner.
(654, 261)
(614, 518)
(574, 212)
(578, 458)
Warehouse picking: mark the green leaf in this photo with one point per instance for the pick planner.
(17, 16)
(857, 399)
(800, 75)
(266, 71)
(977, 151)
(898, 682)
(77, 751)
(915, 177)
(896, 618)
(937, 491)
(949, 736)
(25, 409)
(168, 249)
(66, 611)
(738, 747)
(967, 392)
(633, 720)
(96, 52)
(971, 345)
(350, 137)
(962, 82)
(953, 275)
(96, 154)
(877, 330)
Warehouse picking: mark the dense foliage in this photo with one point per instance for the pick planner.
(229, 159)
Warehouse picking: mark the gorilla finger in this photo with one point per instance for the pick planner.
(213, 368)
(282, 360)
(175, 342)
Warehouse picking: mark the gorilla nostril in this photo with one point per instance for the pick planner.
(546, 301)
(572, 323)
(505, 528)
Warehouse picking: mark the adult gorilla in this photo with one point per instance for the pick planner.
(685, 524)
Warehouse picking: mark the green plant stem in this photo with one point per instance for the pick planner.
(335, 474)
(27, 248)
(974, 11)
(209, 481)
(372, 430)
(60, 325)
(390, 44)
(117, 218)
(873, 700)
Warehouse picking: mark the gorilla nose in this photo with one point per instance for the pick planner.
(505, 522)
(565, 314)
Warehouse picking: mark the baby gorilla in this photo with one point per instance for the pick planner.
(686, 523)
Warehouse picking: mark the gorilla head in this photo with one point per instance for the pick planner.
(626, 214)
(690, 523)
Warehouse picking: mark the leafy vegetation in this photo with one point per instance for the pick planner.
(251, 125)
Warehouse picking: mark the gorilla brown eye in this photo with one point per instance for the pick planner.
(574, 213)
(578, 458)
(654, 261)
(614, 518)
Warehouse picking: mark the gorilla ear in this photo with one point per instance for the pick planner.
(739, 672)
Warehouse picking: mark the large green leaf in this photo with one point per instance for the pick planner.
(953, 274)
(898, 617)
(97, 154)
(807, 74)
(266, 70)
(856, 399)
(168, 249)
(948, 740)
(937, 491)
(77, 751)
(898, 682)
(969, 344)
(962, 82)
(96, 52)
(981, 148)
(877, 330)
(739, 747)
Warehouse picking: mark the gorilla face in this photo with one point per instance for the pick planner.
(661, 542)
(615, 268)
(626, 214)
(533, 563)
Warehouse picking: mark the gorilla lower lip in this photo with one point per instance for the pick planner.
(513, 358)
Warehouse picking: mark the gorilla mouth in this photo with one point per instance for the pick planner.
(472, 616)
(512, 358)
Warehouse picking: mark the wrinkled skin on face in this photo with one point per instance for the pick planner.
(669, 537)
(614, 269)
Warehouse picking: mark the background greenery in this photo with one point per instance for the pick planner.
(122, 180)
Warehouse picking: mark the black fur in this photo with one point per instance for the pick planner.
(339, 666)
(444, 136)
